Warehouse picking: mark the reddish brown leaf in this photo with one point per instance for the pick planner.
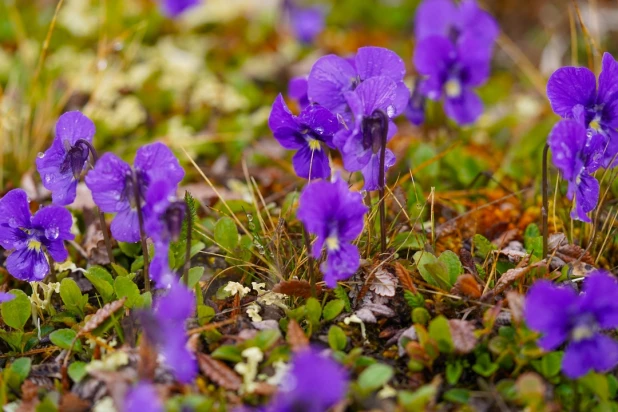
(70, 402)
(404, 277)
(264, 389)
(30, 400)
(101, 316)
(467, 285)
(296, 336)
(462, 333)
(467, 261)
(219, 373)
(516, 305)
(296, 288)
(510, 277)
(505, 238)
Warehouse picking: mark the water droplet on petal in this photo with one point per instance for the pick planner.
(390, 111)
(12, 222)
(40, 155)
(319, 130)
(589, 133)
(52, 233)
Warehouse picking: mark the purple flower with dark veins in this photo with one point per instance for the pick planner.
(163, 225)
(306, 22)
(562, 315)
(451, 71)
(62, 164)
(6, 297)
(165, 328)
(297, 90)
(113, 184)
(143, 397)
(314, 383)
(31, 236)
(578, 153)
(335, 215)
(332, 76)
(174, 8)
(371, 104)
(570, 87)
(307, 133)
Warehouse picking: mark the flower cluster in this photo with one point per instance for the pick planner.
(587, 139)
(452, 54)
(336, 216)
(563, 315)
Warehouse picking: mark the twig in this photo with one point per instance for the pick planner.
(545, 207)
(142, 233)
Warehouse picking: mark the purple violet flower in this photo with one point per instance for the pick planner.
(174, 8)
(297, 90)
(165, 328)
(563, 315)
(306, 22)
(415, 111)
(143, 397)
(360, 144)
(30, 236)
(62, 164)
(314, 383)
(335, 215)
(112, 185)
(331, 76)
(308, 132)
(569, 87)
(578, 153)
(6, 297)
(165, 215)
(452, 71)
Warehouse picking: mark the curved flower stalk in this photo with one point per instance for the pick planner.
(335, 215)
(562, 315)
(31, 236)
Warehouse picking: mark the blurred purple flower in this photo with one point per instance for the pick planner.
(570, 87)
(315, 383)
(335, 215)
(6, 297)
(372, 105)
(163, 225)
(456, 22)
(174, 8)
(112, 185)
(165, 328)
(563, 315)
(332, 76)
(30, 236)
(62, 164)
(452, 71)
(143, 397)
(307, 133)
(306, 22)
(415, 111)
(578, 153)
(297, 90)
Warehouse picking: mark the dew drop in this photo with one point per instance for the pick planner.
(12, 222)
(249, 217)
(49, 178)
(40, 155)
(52, 233)
(102, 64)
(589, 133)
(319, 130)
(390, 111)
(251, 226)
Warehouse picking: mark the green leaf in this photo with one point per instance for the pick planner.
(484, 366)
(226, 234)
(120, 270)
(102, 281)
(195, 274)
(313, 311)
(72, 296)
(333, 308)
(597, 384)
(228, 353)
(417, 400)
(375, 376)
(77, 371)
(125, 287)
(130, 249)
(457, 395)
(432, 270)
(453, 266)
(63, 339)
(145, 300)
(337, 339)
(17, 373)
(530, 234)
(264, 339)
(440, 331)
(549, 365)
(453, 372)
(420, 315)
(14, 339)
(16, 312)
(205, 314)
(414, 300)
(409, 240)
(340, 293)
(137, 264)
(482, 246)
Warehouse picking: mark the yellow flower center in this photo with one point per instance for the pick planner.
(332, 243)
(582, 332)
(34, 245)
(453, 88)
(594, 124)
(314, 144)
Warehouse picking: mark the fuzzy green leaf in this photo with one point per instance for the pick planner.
(16, 312)
(226, 234)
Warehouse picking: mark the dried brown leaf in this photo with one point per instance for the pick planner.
(219, 373)
(462, 333)
(70, 402)
(30, 400)
(467, 285)
(467, 261)
(404, 277)
(264, 389)
(505, 238)
(509, 277)
(296, 336)
(516, 305)
(101, 316)
(296, 288)
(570, 253)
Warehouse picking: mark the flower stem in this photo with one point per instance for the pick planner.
(545, 207)
(103, 223)
(382, 183)
(314, 292)
(187, 264)
(142, 233)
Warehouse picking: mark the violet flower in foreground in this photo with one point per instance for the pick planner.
(165, 215)
(174, 8)
(31, 236)
(563, 315)
(307, 133)
(143, 397)
(112, 183)
(335, 215)
(62, 164)
(578, 154)
(6, 297)
(165, 328)
(315, 383)
(569, 87)
(306, 22)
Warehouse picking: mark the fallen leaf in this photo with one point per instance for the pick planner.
(516, 305)
(467, 285)
(101, 316)
(296, 336)
(219, 373)
(296, 288)
(384, 283)
(404, 277)
(462, 334)
(70, 402)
